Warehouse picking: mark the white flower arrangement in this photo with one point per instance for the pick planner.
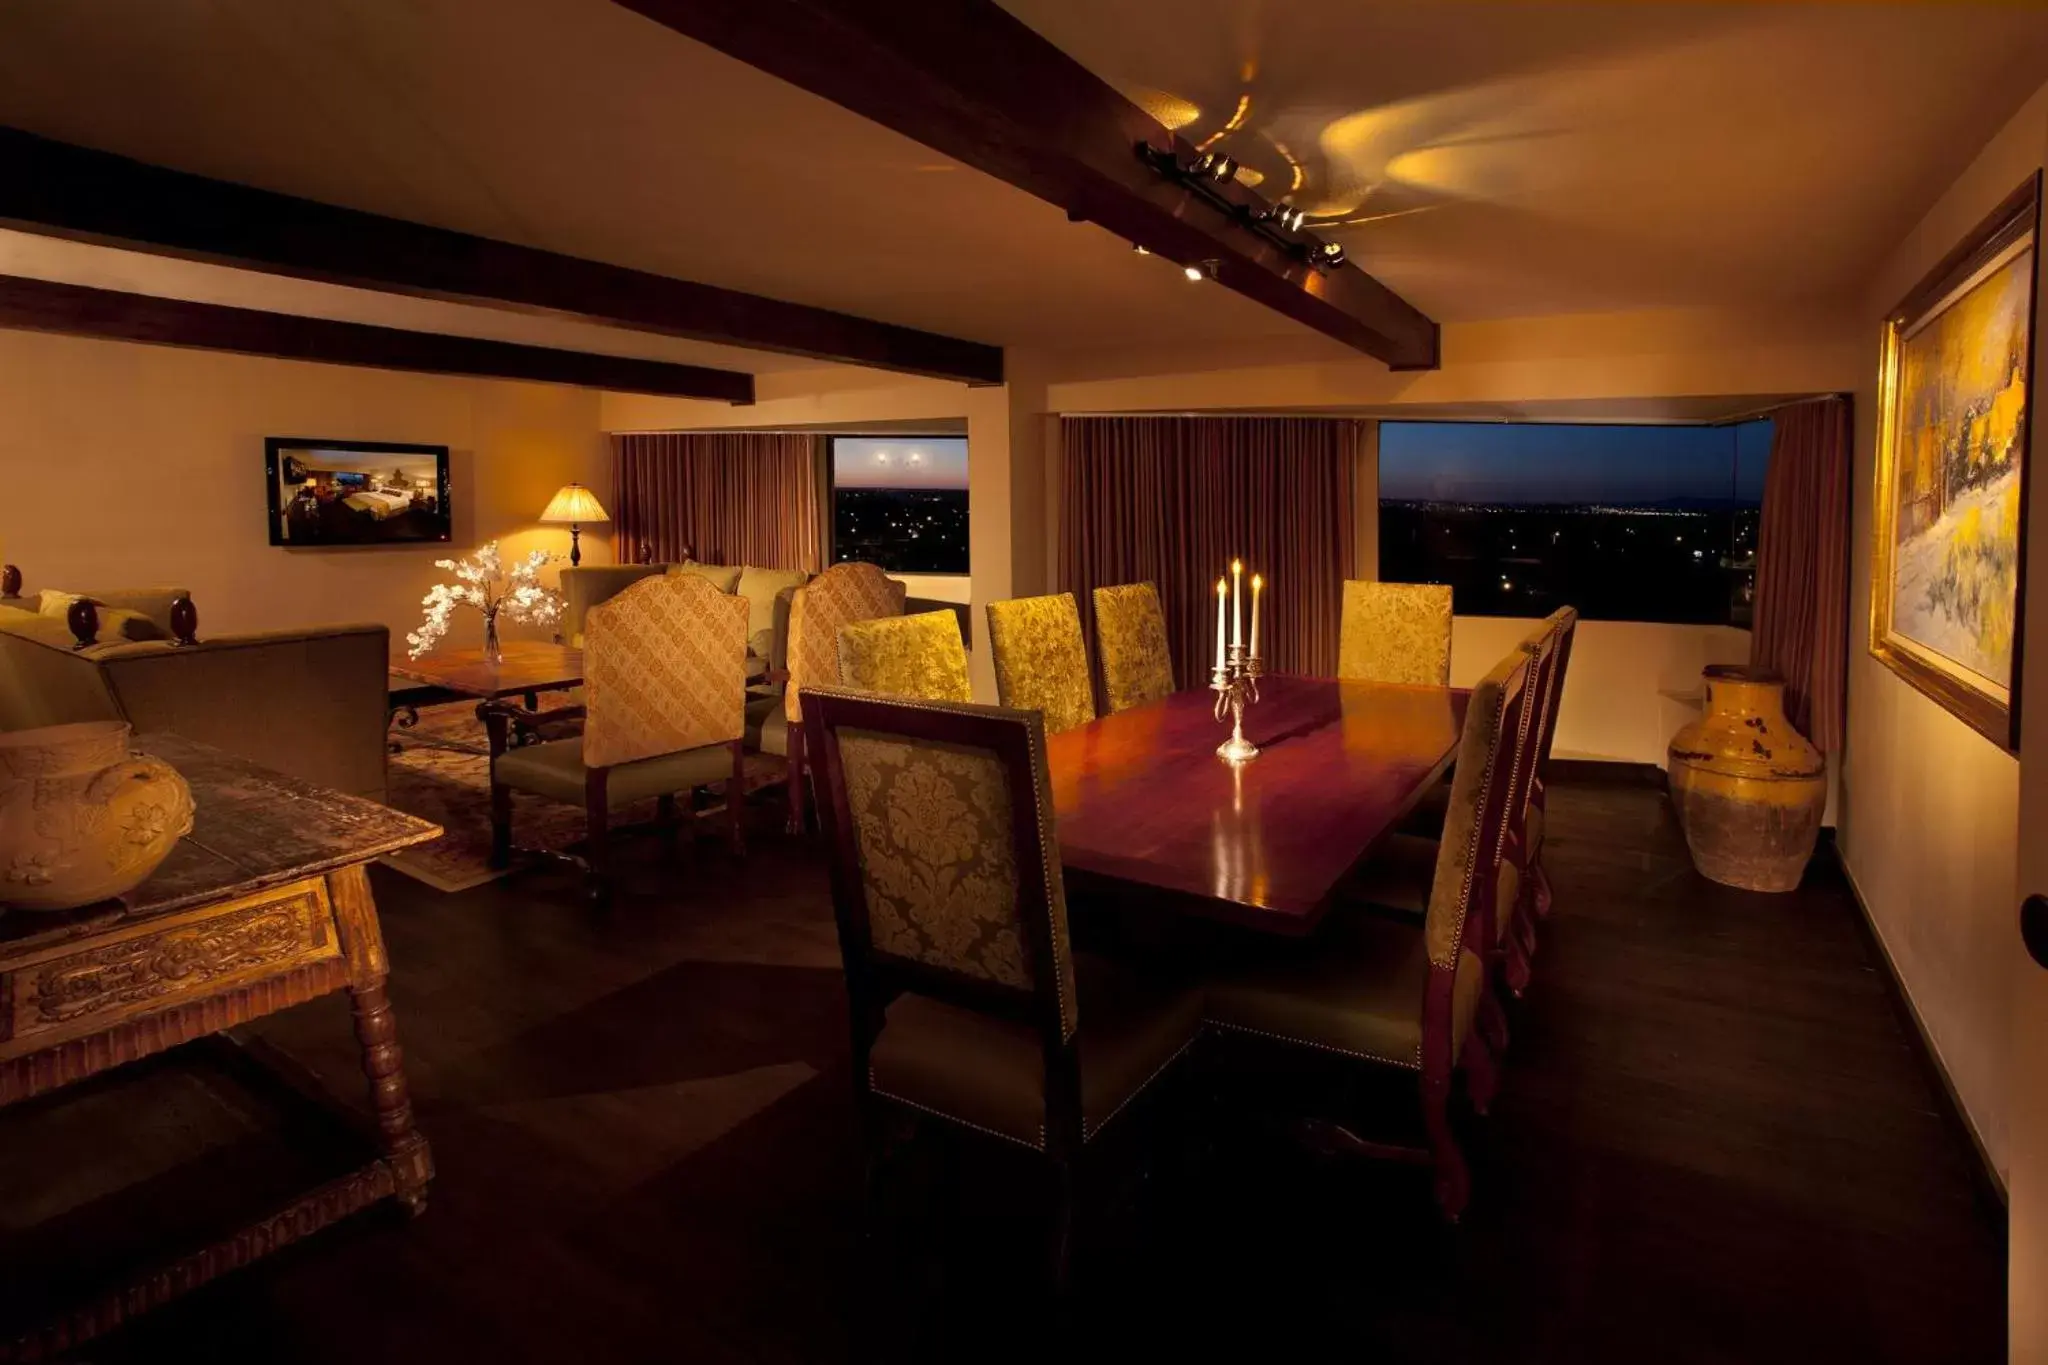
(483, 582)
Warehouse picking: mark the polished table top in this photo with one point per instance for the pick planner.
(1144, 801)
(524, 666)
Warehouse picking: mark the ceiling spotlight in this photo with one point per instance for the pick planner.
(1289, 216)
(1141, 248)
(1224, 169)
(1329, 254)
(1193, 272)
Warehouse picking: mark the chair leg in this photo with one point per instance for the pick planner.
(736, 801)
(597, 840)
(795, 770)
(1453, 1177)
(665, 817)
(501, 826)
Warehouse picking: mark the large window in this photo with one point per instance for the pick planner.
(1626, 523)
(900, 502)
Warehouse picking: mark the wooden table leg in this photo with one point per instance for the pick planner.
(403, 1146)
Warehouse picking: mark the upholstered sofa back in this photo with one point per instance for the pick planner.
(310, 704)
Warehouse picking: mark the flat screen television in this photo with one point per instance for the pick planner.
(356, 492)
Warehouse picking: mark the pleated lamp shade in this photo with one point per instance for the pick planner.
(574, 504)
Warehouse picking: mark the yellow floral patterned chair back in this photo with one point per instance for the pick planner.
(948, 835)
(1130, 637)
(836, 598)
(664, 670)
(1395, 633)
(1041, 661)
(906, 656)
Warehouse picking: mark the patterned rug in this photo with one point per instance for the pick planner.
(454, 791)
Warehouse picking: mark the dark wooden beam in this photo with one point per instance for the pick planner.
(967, 78)
(76, 310)
(57, 189)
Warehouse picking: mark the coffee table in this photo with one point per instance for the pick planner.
(524, 669)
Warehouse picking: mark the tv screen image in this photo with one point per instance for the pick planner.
(356, 492)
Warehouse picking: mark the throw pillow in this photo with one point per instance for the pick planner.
(724, 577)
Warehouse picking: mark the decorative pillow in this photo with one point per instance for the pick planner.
(116, 623)
(724, 577)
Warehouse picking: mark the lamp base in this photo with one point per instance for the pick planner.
(575, 546)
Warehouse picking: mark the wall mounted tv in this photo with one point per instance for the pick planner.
(356, 492)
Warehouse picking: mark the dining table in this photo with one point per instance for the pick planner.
(1149, 811)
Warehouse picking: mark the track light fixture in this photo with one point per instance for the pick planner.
(1141, 248)
(1279, 224)
(1193, 272)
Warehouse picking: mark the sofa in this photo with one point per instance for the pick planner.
(767, 592)
(312, 704)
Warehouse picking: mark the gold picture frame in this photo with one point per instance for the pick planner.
(1955, 409)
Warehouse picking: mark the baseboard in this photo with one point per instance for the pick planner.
(1990, 1188)
(1603, 772)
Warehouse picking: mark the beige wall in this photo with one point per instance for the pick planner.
(125, 465)
(1929, 808)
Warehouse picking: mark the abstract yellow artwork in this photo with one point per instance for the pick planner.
(1952, 449)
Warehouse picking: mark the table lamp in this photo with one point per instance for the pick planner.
(574, 505)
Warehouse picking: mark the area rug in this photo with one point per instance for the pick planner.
(453, 789)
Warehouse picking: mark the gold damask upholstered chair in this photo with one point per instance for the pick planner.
(1395, 633)
(1040, 659)
(1406, 992)
(836, 598)
(1130, 639)
(968, 1003)
(906, 656)
(664, 687)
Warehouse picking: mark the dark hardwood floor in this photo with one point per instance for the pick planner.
(1715, 1142)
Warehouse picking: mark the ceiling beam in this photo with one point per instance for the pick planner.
(56, 189)
(77, 310)
(967, 78)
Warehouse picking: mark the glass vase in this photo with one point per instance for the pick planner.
(492, 653)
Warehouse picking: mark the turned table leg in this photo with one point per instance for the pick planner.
(402, 1145)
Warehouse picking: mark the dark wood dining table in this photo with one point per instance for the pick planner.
(1146, 806)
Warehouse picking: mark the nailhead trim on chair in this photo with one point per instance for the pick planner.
(1411, 1064)
(955, 1118)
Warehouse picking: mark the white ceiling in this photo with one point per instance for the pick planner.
(1529, 157)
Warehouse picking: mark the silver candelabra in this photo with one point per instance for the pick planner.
(1236, 686)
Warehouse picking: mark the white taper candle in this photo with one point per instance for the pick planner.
(1237, 603)
(1258, 585)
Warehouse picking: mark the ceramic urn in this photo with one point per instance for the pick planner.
(81, 818)
(1749, 789)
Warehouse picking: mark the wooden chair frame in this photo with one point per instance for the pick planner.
(505, 723)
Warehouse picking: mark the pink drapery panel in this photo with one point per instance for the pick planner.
(1802, 565)
(1170, 499)
(722, 498)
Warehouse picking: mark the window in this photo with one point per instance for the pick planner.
(900, 502)
(1626, 523)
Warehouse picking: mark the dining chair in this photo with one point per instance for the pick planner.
(1041, 661)
(1391, 990)
(1395, 633)
(1564, 624)
(969, 1005)
(1130, 640)
(663, 712)
(918, 656)
(836, 598)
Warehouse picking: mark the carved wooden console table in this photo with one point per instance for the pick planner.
(264, 905)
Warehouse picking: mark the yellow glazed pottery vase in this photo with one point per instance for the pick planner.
(1748, 788)
(82, 819)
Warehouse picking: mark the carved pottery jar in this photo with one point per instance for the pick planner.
(1749, 789)
(82, 819)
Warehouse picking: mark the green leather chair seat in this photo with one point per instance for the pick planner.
(555, 770)
(1355, 987)
(768, 726)
(989, 1073)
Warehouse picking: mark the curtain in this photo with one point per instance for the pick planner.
(1171, 500)
(1802, 566)
(746, 497)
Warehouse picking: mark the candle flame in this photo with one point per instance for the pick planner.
(1237, 566)
(1257, 582)
(1222, 586)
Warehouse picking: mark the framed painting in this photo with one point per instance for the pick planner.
(1955, 403)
